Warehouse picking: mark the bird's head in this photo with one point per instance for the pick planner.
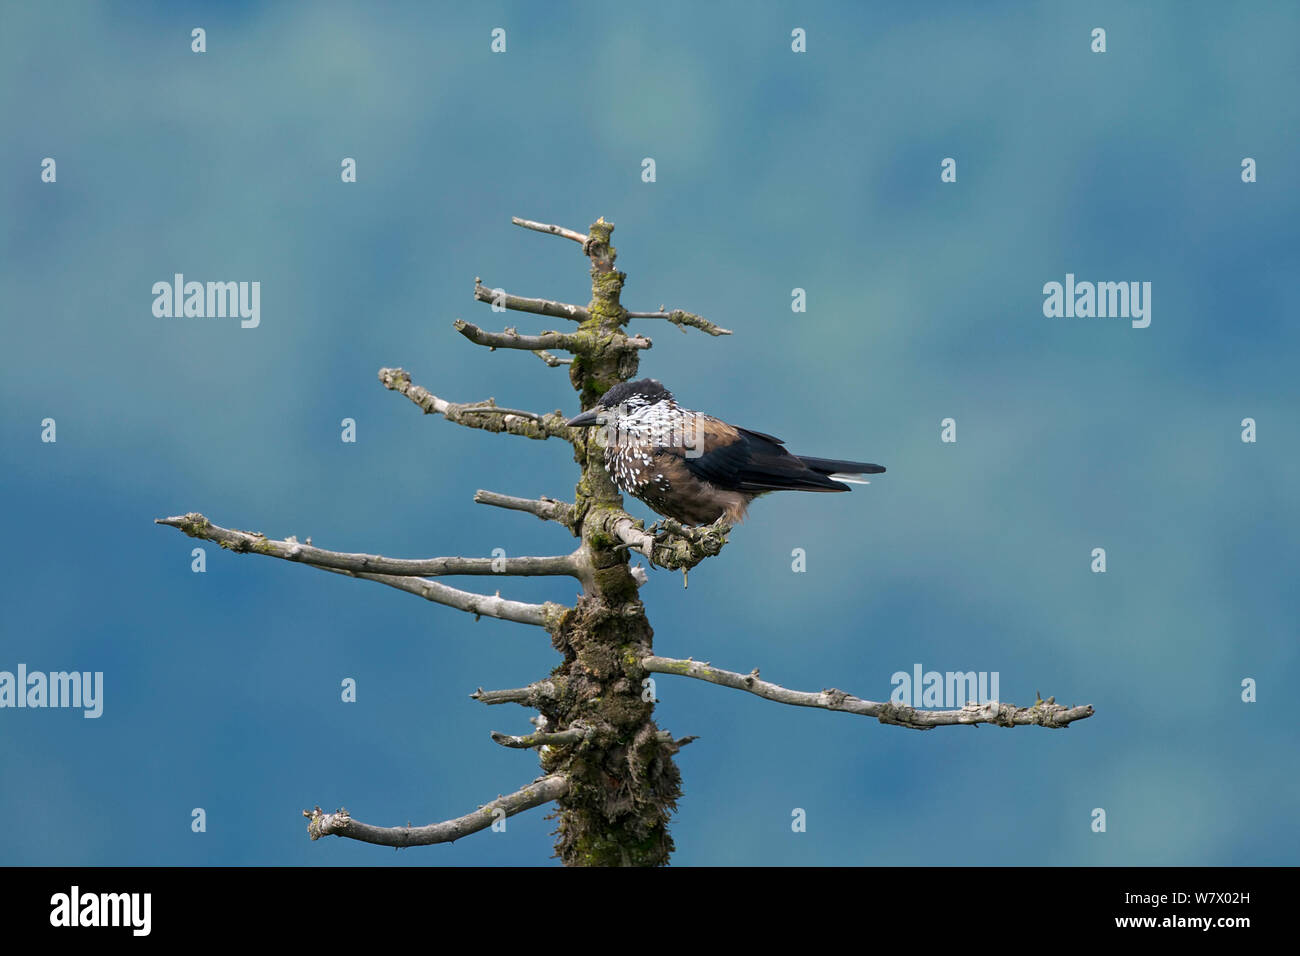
(628, 400)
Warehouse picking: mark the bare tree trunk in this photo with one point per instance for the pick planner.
(623, 783)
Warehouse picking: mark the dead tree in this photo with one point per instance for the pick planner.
(605, 763)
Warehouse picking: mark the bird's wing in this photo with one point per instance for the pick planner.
(738, 459)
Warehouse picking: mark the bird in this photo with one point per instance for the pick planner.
(695, 468)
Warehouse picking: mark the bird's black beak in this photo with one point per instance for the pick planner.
(585, 420)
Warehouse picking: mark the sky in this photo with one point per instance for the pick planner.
(774, 171)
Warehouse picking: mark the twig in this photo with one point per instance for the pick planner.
(1046, 713)
(244, 542)
(510, 339)
(480, 605)
(491, 408)
(530, 696)
(291, 550)
(568, 341)
(550, 359)
(340, 823)
(579, 237)
(518, 303)
(548, 509)
(557, 739)
(484, 415)
(680, 318)
(595, 242)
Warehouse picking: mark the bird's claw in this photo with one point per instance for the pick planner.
(662, 529)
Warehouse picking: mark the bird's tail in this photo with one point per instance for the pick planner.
(852, 472)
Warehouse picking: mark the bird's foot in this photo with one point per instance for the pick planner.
(673, 526)
(664, 527)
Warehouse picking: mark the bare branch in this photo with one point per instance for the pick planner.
(550, 359)
(517, 303)
(340, 823)
(548, 509)
(511, 339)
(1044, 713)
(530, 696)
(244, 542)
(480, 605)
(676, 547)
(559, 738)
(632, 533)
(579, 237)
(290, 549)
(682, 319)
(485, 415)
(595, 242)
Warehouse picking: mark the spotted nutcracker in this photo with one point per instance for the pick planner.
(696, 468)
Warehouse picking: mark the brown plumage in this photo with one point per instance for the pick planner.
(696, 468)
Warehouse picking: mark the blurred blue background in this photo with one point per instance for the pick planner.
(775, 170)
